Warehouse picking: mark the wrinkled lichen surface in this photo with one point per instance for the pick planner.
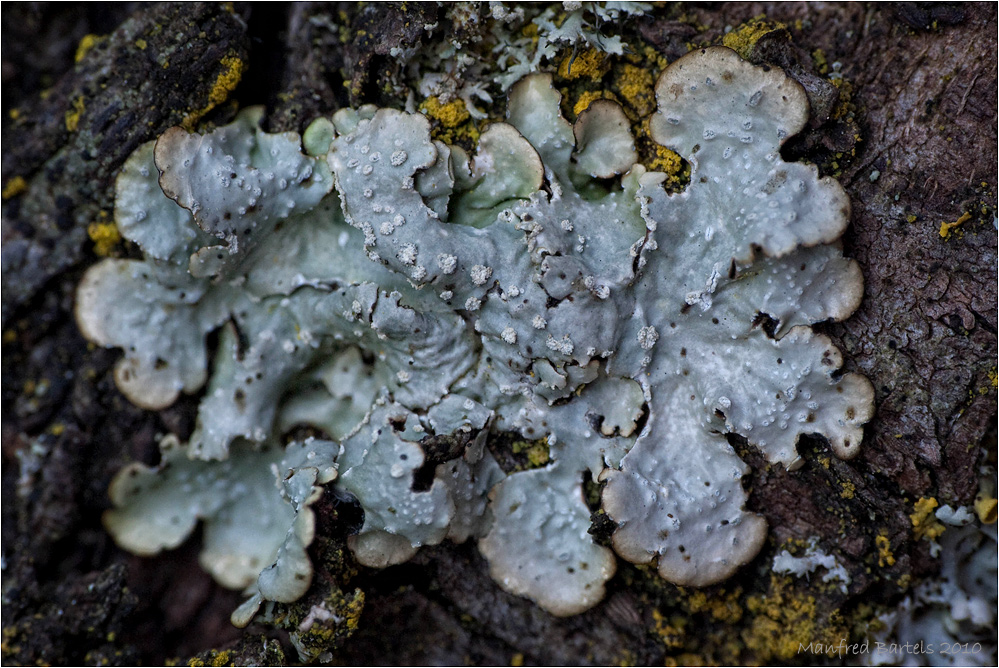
(916, 95)
(393, 291)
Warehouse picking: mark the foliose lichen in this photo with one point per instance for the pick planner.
(953, 615)
(408, 300)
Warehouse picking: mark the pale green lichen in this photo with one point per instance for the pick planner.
(954, 613)
(409, 299)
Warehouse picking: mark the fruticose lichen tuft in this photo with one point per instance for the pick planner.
(409, 300)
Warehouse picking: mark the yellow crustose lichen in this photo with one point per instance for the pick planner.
(454, 123)
(924, 523)
(885, 556)
(225, 84)
(73, 115)
(14, 187)
(945, 227)
(590, 64)
(105, 236)
(744, 38)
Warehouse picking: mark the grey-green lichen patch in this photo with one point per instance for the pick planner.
(409, 299)
(955, 610)
(268, 488)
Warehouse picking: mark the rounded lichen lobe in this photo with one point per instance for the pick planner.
(409, 298)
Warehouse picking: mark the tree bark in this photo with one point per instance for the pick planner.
(915, 147)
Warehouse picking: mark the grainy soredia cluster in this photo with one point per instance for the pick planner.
(408, 300)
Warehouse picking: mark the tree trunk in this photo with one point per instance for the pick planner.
(911, 135)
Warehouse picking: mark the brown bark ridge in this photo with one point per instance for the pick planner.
(909, 130)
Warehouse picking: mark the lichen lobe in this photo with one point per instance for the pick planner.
(395, 292)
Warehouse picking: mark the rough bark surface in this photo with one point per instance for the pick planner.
(924, 150)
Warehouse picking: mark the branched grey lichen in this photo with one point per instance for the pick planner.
(952, 614)
(408, 300)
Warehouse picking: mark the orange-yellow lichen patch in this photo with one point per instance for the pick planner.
(723, 607)
(669, 630)
(637, 88)
(590, 64)
(105, 236)
(14, 187)
(885, 556)
(744, 38)
(450, 115)
(87, 42)
(453, 122)
(669, 162)
(225, 83)
(924, 523)
(784, 621)
(986, 508)
(588, 97)
(73, 115)
(945, 227)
